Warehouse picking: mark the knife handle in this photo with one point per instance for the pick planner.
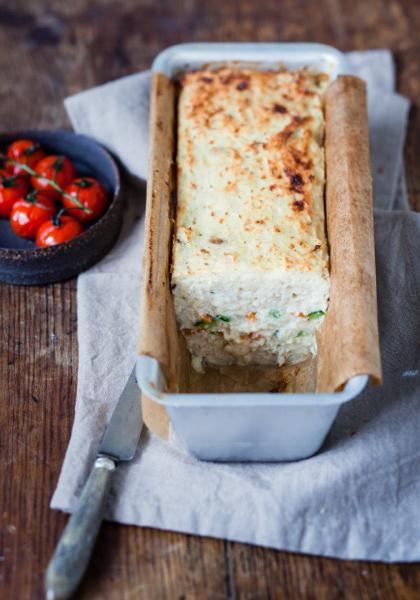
(72, 554)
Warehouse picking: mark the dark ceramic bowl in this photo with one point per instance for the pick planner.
(21, 262)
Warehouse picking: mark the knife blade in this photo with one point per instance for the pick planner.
(122, 433)
(119, 443)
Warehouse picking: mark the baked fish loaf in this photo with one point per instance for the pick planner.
(250, 260)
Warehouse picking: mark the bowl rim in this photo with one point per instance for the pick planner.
(19, 253)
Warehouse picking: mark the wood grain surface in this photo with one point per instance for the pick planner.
(52, 48)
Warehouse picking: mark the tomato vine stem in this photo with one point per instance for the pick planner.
(53, 184)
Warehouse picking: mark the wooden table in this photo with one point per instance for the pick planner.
(50, 49)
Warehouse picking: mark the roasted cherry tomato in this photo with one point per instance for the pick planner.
(58, 168)
(57, 230)
(11, 189)
(91, 194)
(30, 212)
(25, 152)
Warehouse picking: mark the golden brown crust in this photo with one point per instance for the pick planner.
(250, 157)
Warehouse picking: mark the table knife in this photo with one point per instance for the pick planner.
(119, 443)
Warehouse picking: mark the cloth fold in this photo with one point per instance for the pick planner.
(358, 497)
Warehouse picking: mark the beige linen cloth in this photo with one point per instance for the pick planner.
(358, 498)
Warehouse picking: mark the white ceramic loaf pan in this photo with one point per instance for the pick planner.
(218, 426)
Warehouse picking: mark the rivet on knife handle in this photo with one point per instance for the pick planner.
(72, 554)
